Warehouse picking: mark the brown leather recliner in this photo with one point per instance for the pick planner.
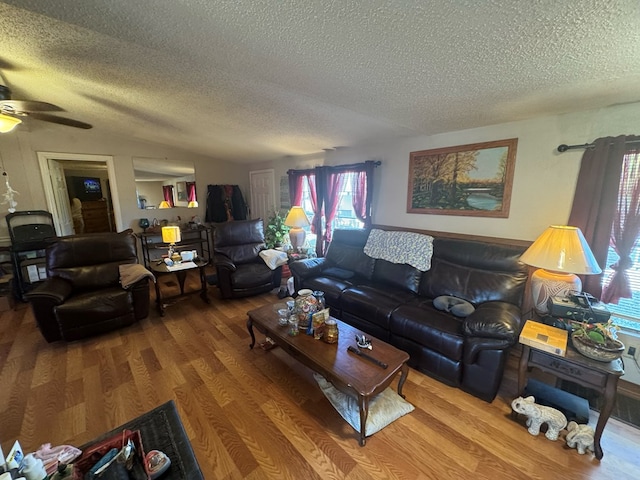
(240, 269)
(82, 295)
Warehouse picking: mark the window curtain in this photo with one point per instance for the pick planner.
(333, 187)
(191, 192)
(596, 198)
(167, 192)
(325, 184)
(625, 230)
(362, 185)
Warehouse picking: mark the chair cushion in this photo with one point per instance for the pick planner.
(94, 312)
(250, 275)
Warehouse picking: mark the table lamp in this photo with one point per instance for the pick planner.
(164, 204)
(171, 235)
(559, 253)
(296, 219)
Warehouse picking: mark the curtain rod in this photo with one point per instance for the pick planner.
(564, 147)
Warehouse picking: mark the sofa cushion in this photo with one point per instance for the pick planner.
(401, 276)
(373, 304)
(456, 306)
(332, 288)
(346, 252)
(248, 275)
(437, 330)
(337, 272)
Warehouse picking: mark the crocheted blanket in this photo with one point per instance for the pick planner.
(412, 248)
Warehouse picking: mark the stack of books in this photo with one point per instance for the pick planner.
(544, 337)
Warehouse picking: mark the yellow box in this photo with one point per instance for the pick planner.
(544, 337)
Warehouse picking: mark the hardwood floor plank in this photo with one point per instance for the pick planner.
(255, 414)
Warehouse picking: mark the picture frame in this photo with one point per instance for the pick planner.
(471, 180)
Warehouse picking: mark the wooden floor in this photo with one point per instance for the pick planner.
(259, 414)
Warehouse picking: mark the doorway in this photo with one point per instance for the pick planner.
(52, 168)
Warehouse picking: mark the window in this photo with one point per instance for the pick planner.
(340, 194)
(626, 224)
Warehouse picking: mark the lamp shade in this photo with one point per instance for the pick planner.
(192, 204)
(171, 234)
(297, 218)
(8, 123)
(559, 253)
(164, 204)
(562, 249)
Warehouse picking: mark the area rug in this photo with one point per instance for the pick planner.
(384, 408)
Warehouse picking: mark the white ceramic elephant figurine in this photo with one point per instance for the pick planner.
(580, 437)
(539, 414)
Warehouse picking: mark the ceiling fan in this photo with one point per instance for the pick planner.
(12, 110)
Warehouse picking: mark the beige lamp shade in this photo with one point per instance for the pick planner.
(164, 204)
(171, 234)
(297, 219)
(8, 123)
(559, 253)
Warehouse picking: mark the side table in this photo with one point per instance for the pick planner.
(601, 377)
(160, 269)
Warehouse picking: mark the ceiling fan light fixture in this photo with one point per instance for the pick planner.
(8, 123)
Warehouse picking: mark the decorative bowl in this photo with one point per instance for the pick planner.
(595, 351)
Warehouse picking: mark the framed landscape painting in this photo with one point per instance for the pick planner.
(473, 180)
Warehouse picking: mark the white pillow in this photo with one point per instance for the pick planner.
(384, 408)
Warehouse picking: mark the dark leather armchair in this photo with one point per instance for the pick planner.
(82, 295)
(240, 269)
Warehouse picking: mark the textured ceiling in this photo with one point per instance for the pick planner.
(247, 80)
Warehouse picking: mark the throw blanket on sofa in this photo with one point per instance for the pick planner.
(130, 273)
(412, 248)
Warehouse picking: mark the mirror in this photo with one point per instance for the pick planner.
(161, 182)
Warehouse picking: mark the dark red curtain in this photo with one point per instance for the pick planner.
(167, 192)
(333, 188)
(191, 192)
(625, 230)
(596, 198)
(325, 184)
(362, 185)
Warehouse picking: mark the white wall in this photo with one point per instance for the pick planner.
(18, 153)
(544, 180)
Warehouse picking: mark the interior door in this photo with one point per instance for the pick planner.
(62, 215)
(263, 194)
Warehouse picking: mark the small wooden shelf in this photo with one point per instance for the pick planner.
(153, 248)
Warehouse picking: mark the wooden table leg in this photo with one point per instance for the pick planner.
(181, 275)
(403, 377)
(363, 403)
(522, 369)
(609, 401)
(250, 328)
(203, 284)
(159, 298)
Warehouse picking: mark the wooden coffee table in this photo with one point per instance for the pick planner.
(349, 373)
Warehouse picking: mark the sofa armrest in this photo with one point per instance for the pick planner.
(308, 267)
(224, 262)
(499, 320)
(493, 326)
(54, 289)
(43, 299)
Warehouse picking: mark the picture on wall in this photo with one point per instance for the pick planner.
(181, 191)
(473, 180)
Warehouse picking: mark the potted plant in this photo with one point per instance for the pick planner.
(598, 341)
(276, 231)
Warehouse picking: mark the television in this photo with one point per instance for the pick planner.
(92, 186)
(85, 188)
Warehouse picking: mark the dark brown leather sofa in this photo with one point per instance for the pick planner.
(394, 302)
(240, 270)
(82, 295)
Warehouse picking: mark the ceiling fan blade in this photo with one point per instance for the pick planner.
(28, 106)
(60, 120)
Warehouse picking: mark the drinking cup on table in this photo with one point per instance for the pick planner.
(293, 325)
(283, 317)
